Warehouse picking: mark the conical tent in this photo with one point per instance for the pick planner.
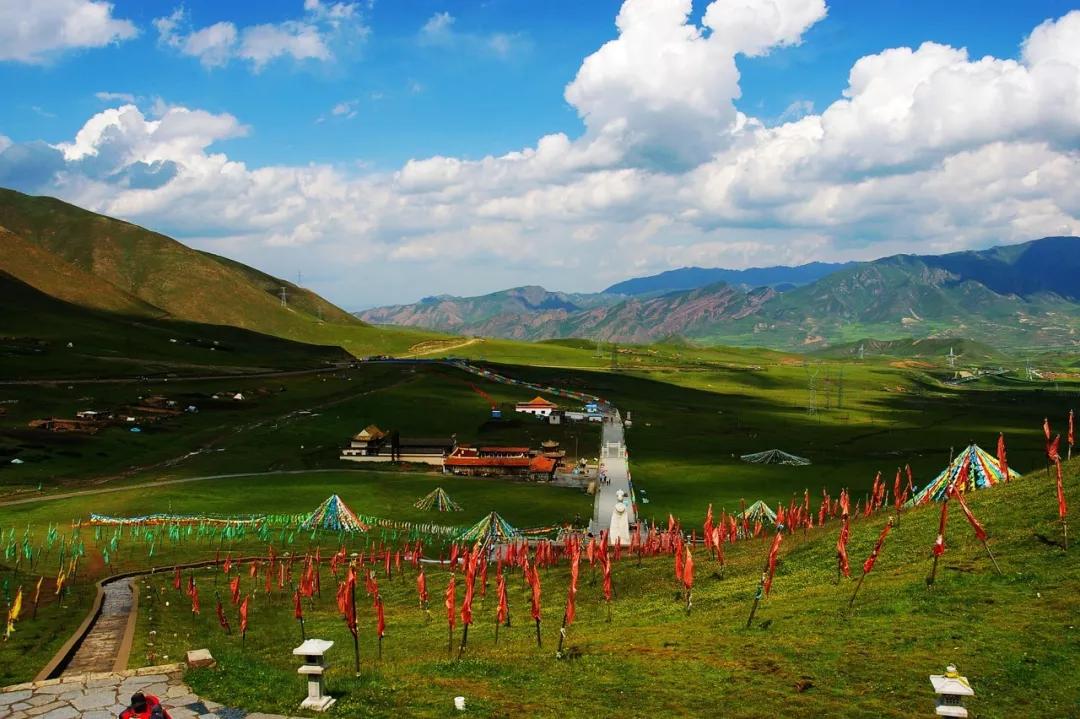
(758, 511)
(774, 456)
(980, 467)
(335, 515)
(490, 529)
(438, 500)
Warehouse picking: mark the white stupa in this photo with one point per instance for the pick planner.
(619, 530)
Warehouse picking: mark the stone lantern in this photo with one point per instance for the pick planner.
(951, 689)
(313, 667)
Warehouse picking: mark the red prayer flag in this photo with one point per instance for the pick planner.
(773, 552)
(380, 617)
(688, 569)
(234, 589)
(470, 583)
(176, 579)
(939, 544)
(504, 609)
(450, 601)
(298, 607)
(534, 584)
(869, 563)
(571, 594)
(349, 600)
(195, 600)
(1052, 449)
(979, 531)
(679, 561)
(222, 619)
(244, 615)
(1071, 437)
(421, 587)
(841, 546)
(1003, 462)
(227, 567)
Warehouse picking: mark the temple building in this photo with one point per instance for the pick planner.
(537, 406)
(372, 444)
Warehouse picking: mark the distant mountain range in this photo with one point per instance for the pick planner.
(692, 278)
(1019, 294)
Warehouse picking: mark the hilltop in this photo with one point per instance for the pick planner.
(127, 276)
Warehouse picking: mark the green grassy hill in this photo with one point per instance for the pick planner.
(36, 329)
(1014, 634)
(103, 264)
(178, 280)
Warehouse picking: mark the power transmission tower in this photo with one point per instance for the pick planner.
(811, 382)
(840, 390)
(284, 297)
(827, 385)
(862, 351)
(614, 356)
(952, 359)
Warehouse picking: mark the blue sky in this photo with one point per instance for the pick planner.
(489, 78)
(468, 103)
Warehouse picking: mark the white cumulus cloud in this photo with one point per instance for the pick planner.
(307, 38)
(926, 149)
(36, 32)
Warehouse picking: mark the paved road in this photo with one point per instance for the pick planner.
(613, 457)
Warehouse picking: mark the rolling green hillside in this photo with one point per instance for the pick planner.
(181, 282)
(107, 265)
(36, 329)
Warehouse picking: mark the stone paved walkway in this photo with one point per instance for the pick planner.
(105, 695)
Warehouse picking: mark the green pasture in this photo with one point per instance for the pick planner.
(1013, 635)
(283, 424)
(381, 494)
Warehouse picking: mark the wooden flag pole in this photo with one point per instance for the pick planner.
(464, 641)
(538, 633)
(933, 572)
(858, 586)
(355, 640)
(496, 630)
(450, 642)
(757, 599)
(992, 559)
(562, 636)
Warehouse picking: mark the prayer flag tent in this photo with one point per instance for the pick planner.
(438, 500)
(758, 512)
(774, 456)
(981, 469)
(335, 515)
(491, 528)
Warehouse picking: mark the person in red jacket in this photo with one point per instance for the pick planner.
(145, 706)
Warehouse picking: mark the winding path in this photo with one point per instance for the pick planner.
(104, 646)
